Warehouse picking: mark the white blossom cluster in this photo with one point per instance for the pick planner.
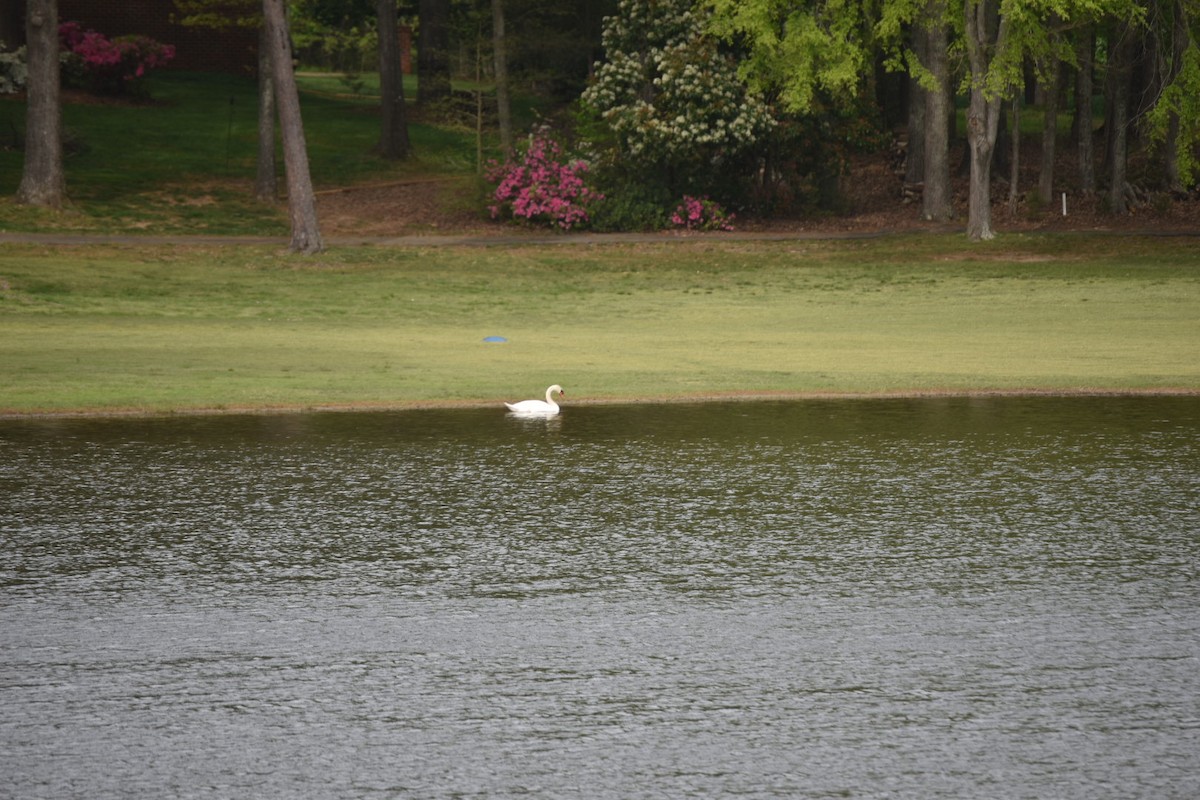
(666, 91)
(13, 71)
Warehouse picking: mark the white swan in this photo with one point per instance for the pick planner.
(538, 408)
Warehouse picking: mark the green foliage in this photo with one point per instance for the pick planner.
(809, 154)
(798, 51)
(219, 14)
(1182, 97)
(336, 13)
(334, 38)
(632, 206)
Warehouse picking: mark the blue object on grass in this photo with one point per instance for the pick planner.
(494, 339)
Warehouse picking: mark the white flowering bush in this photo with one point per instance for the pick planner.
(671, 100)
(13, 71)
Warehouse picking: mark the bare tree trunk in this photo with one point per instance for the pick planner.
(983, 114)
(1049, 131)
(433, 57)
(266, 185)
(43, 182)
(1171, 154)
(983, 117)
(500, 53)
(393, 138)
(1180, 41)
(1084, 50)
(302, 205)
(1119, 135)
(936, 199)
(1015, 165)
(914, 166)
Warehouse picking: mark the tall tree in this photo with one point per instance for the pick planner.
(266, 182)
(393, 138)
(1050, 75)
(43, 181)
(937, 198)
(914, 164)
(433, 52)
(999, 36)
(1120, 77)
(1085, 48)
(500, 57)
(302, 206)
(1175, 118)
(1014, 161)
(925, 56)
(986, 38)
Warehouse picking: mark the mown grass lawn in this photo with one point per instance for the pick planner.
(174, 328)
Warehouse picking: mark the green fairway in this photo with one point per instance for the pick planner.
(171, 328)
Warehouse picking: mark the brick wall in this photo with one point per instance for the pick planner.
(199, 49)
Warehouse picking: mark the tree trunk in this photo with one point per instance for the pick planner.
(1171, 154)
(302, 206)
(266, 185)
(914, 166)
(983, 114)
(433, 52)
(393, 138)
(1003, 147)
(1119, 116)
(1084, 49)
(500, 54)
(982, 127)
(1014, 179)
(1180, 41)
(43, 182)
(1049, 131)
(937, 199)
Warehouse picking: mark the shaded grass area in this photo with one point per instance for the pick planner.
(163, 328)
(185, 161)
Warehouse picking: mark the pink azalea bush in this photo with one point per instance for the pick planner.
(701, 214)
(111, 64)
(541, 186)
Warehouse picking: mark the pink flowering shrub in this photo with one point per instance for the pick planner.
(701, 214)
(110, 65)
(541, 186)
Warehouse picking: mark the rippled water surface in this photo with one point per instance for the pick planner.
(950, 598)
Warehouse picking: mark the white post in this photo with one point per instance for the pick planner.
(1064, 204)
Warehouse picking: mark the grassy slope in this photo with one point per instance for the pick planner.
(186, 162)
(173, 328)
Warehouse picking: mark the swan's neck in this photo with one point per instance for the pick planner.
(550, 398)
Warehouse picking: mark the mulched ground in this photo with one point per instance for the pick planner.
(873, 192)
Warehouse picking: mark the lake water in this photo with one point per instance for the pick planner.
(897, 598)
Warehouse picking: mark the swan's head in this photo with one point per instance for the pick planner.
(556, 388)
